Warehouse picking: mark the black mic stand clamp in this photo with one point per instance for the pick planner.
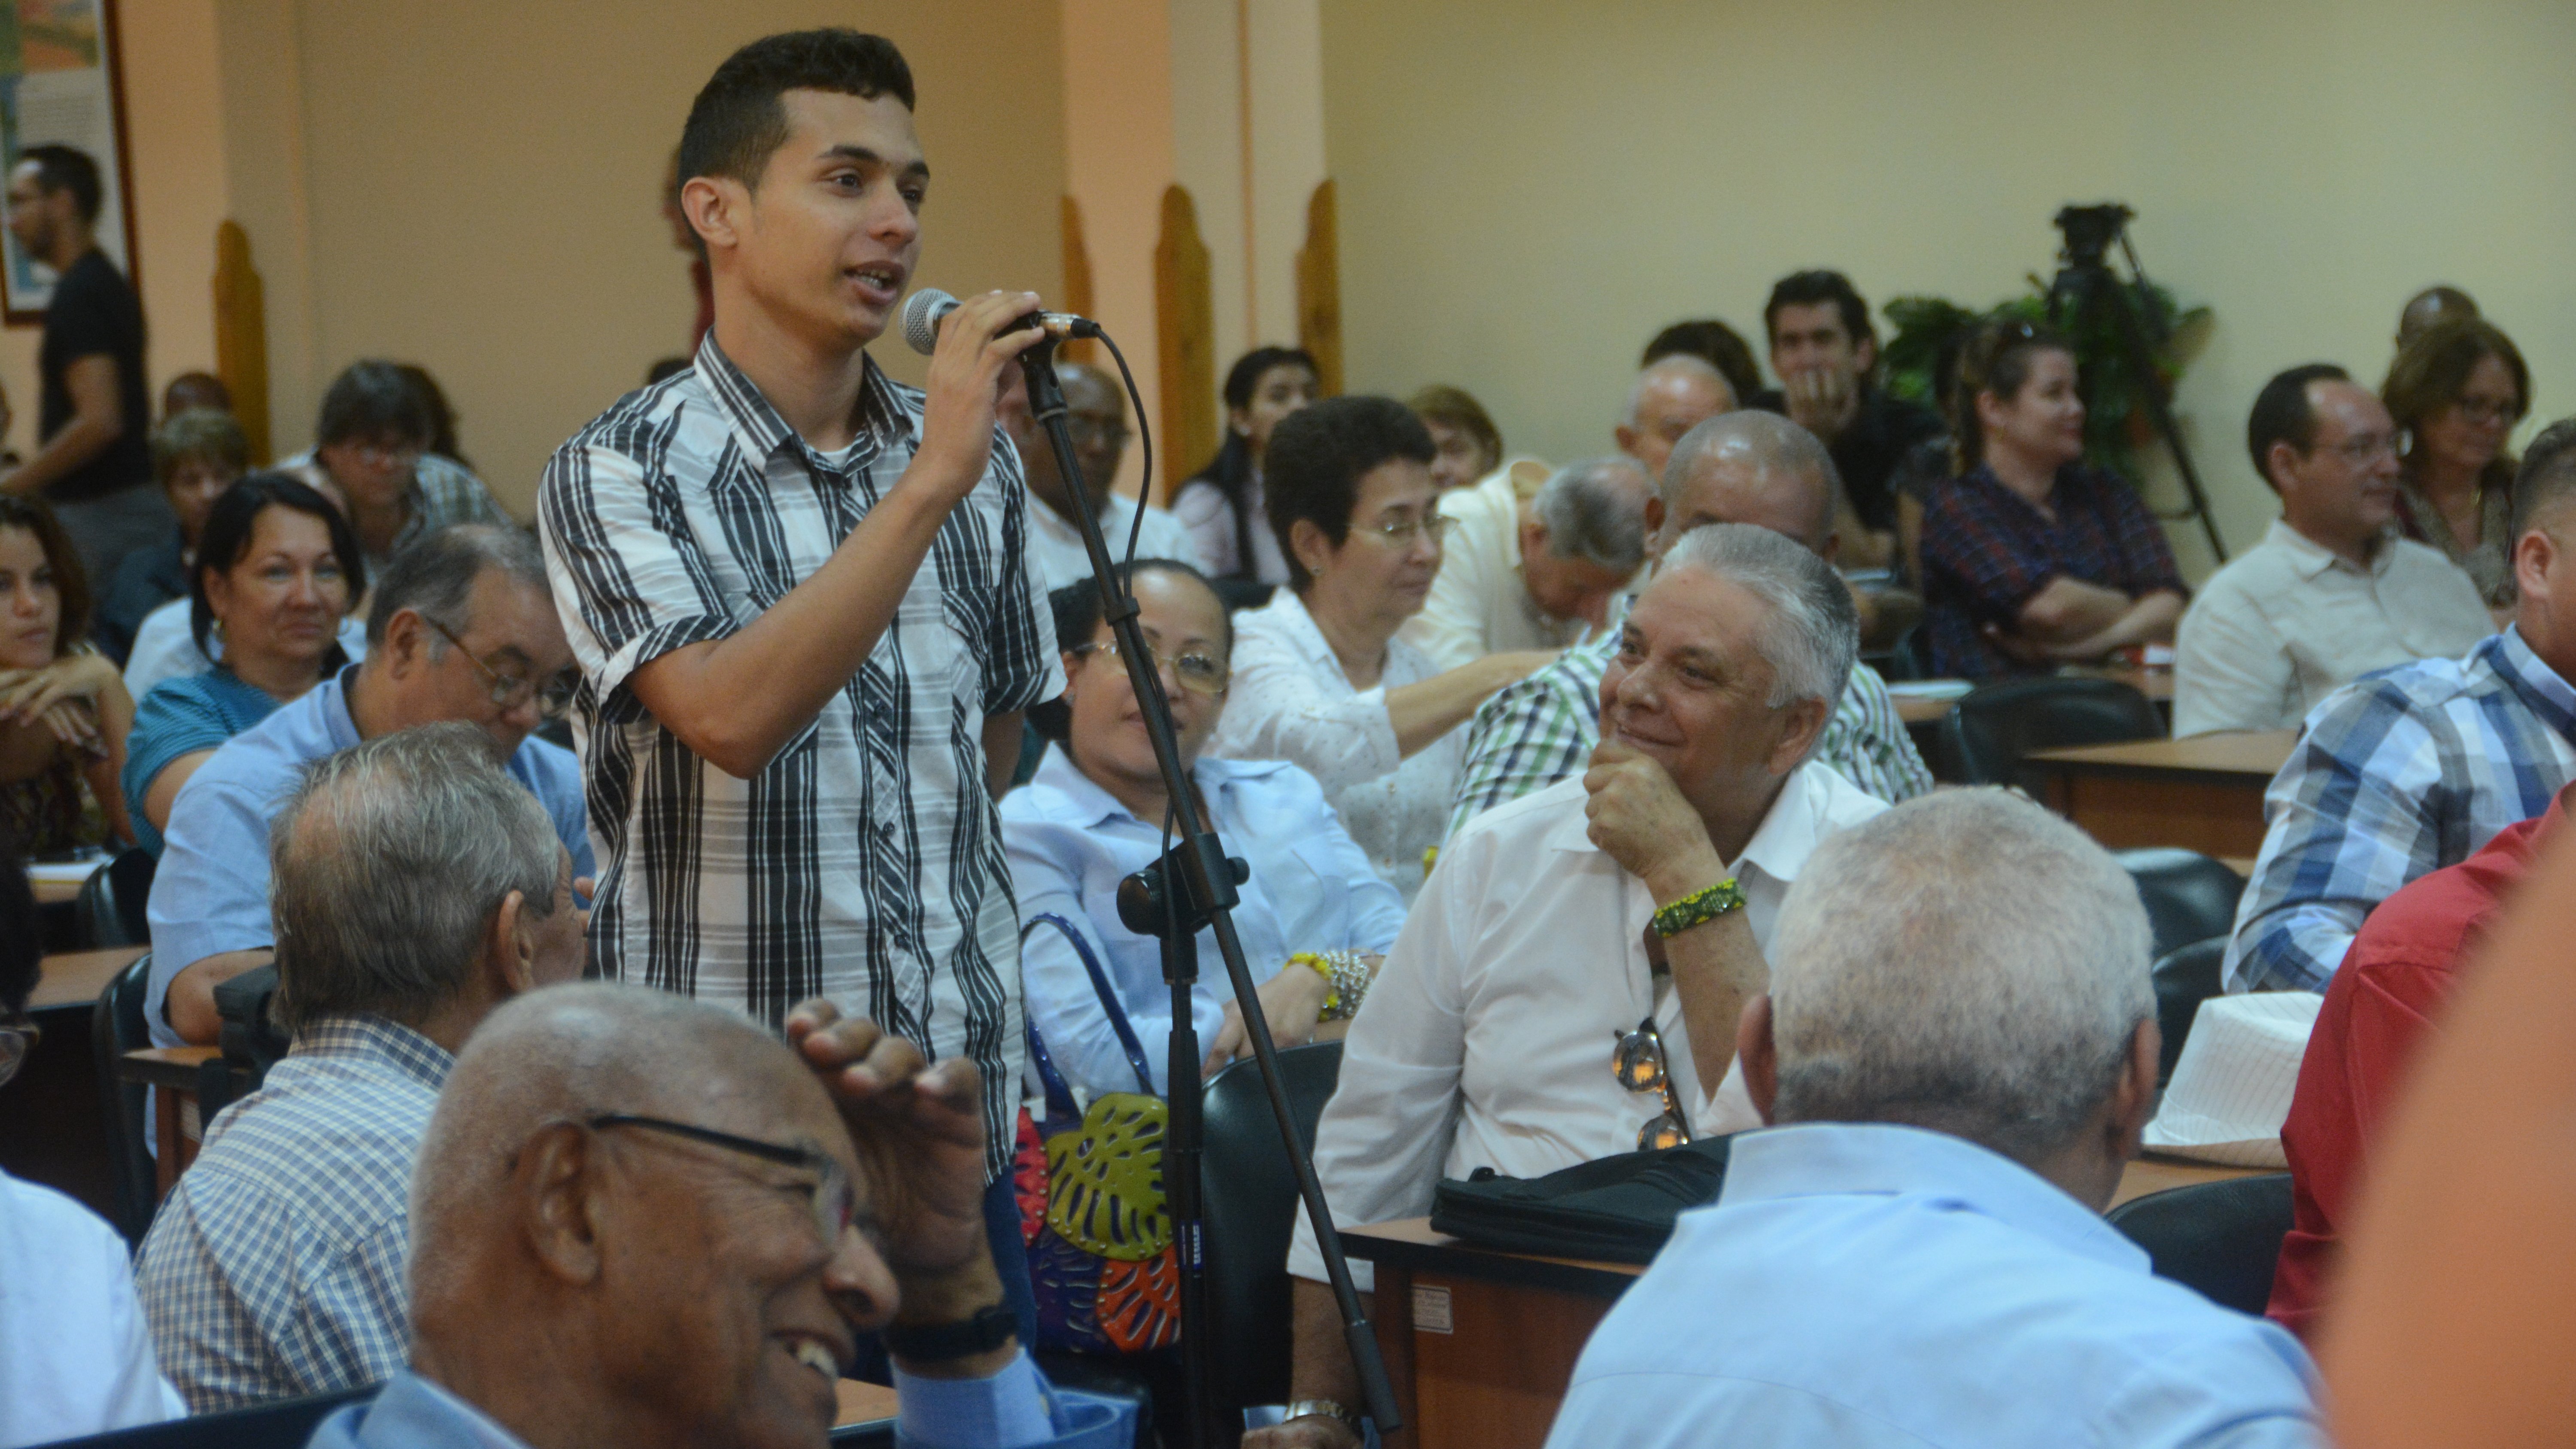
(1193, 888)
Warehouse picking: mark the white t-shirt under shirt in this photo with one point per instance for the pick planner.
(74, 1356)
(1056, 543)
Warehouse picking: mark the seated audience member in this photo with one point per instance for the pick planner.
(2456, 392)
(2407, 771)
(276, 572)
(417, 888)
(63, 711)
(375, 447)
(1096, 415)
(1718, 345)
(1825, 350)
(1672, 395)
(2031, 559)
(1464, 439)
(1094, 816)
(196, 455)
(1742, 467)
(195, 390)
(1320, 678)
(1482, 1045)
(75, 1358)
(2332, 592)
(644, 1221)
(462, 628)
(1223, 505)
(2433, 304)
(1535, 575)
(1914, 1253)
(2385, 997)
(442, 415)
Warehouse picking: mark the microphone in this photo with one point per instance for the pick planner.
(924, 310)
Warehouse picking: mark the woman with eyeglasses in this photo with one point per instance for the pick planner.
(63, 712)
(2031, 559)
(2455, 393)
(277, 568)
(1314, 917)
(1320, 679)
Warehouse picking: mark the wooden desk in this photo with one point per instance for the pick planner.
(863, 1403)
(1480, 1345)
(2203, 794)
(55, 892)
(172, 1072)
(2155, 684)
(75, 978)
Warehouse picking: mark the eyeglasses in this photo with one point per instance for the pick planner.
(2365, 449)
(386, 455)
(18, 1038)
(1097, 432)
(1638, 1063)
(835, 1200)
(1400, 532)
(1198, 673)
(2487, 409)
(509, 691)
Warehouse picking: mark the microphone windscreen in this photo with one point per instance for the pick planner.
(921, 314)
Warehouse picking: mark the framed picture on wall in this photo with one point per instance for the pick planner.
(60, 85)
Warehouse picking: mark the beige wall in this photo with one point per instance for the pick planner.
(1530, 189)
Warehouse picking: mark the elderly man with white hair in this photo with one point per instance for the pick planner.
(1629, 907)
(1958, 1052)
(1671, 396)
(1539, 574)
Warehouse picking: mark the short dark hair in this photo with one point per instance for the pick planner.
(665, 367)
(434, 575)
(1318, 456)
(738, 121)
(60, 168)
(71, 581)
(235, 517)
(1715, 343)
(2548, 475)
(375, 401)
(1245, 376)
(198, 435)
(2283, 413)
(1814, 289)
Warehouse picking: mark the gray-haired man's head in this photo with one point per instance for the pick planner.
(464, 628)
(1751, 467)
(1585, 535)
(411, 879)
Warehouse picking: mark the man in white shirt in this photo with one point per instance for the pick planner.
(2333, 592)
(1486, 1038)
(1535, 575)
(1096, 414)
(1671, 396)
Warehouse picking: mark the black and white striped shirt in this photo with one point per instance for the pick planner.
(865, 861)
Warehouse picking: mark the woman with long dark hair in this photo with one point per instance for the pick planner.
(1222, 503)
(2455, 393)
(63, 711)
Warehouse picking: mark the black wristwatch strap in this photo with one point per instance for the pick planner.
(989, 1329)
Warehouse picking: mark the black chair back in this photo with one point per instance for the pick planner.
(115, 1028)
(1994, 725)
(1910, 657)
(2218, 1238)
(1252, 1207)
(109, 909)
(285, 1424)
(2184, 979)
(2189, 896)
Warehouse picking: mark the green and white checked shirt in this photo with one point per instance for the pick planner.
(1541, 730)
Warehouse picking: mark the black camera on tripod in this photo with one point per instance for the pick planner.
(2090, 230)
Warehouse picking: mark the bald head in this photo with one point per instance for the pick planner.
(1751, 467)
(2433, 304)
(1671, 396)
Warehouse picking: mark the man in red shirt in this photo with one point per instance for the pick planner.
(2391, 988)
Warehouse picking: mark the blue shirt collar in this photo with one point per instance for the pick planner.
(2549, 696)
(331, 707)
(1088, 805)
(413, 1411)
(1814, 1159)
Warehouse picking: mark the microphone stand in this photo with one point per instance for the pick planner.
(1194, 886)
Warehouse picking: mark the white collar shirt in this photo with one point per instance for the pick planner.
(2290, 622)
(1480, 601)
(75, 1358)
(1486, 1040)
(1055, 541)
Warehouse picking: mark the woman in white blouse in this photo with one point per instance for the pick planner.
(1094, 815)
(1319, 676)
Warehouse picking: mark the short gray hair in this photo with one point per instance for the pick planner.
(386, 864)
(1813, 637)
(1768, 441)
(1596, 510)
(434, 575)
(1966, 962)
(1675, 364)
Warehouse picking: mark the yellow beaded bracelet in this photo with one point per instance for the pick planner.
(1699, 908)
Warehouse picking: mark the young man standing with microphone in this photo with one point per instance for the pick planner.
(800, 597)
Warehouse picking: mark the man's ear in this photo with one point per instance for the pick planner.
(2133, 1097)
(2533, 553)
(716, 207)
(1758, 1054)
(2278, 460)
(406, 643)
(509, 951)
(1627, 439)
(1654, 526)
(558, 1182)
(1805, 719)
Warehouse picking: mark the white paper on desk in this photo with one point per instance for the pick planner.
(64, 872)
(2231, 1089)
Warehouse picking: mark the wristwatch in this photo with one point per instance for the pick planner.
(1323, 1408)
(989, 1328)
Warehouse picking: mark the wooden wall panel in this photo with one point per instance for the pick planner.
(1185, 323)
(241, 337)
(1319, 288)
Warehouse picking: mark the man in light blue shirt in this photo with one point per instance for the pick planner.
(639, 1219)
(1958, 1054)
(463, 628)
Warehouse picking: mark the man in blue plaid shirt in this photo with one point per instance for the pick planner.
(2403, 772)
(416, 887)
